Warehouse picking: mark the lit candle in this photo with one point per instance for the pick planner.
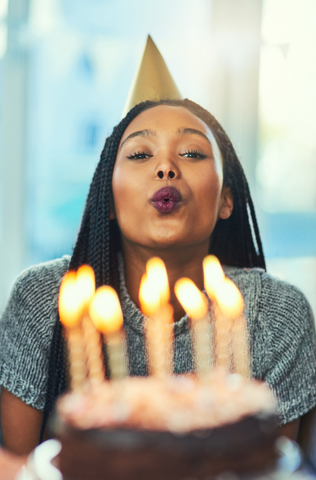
(154, 301)
(106, 313)
(231, 324)
(86, 290)
(231, 304)
(213, 275)
(70, 310)
(149, 297)
(195, 304)
(157, 275)
(213, 280)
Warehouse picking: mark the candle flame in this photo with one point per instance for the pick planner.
(70, 306)
(191, 298)
(105, 310)
(149, 297)
(213, 275)
(158, 277)
(85, 284)
(154, 290)
(229, 299)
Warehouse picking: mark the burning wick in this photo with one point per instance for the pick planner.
(106, 314)
(154, 297)
(195, 304)
(70, 310)
(86, 290)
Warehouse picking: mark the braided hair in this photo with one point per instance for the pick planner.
(235, 241)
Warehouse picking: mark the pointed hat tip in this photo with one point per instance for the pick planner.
(153, 80)
(150, 39)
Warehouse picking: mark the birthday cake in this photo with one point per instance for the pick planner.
(173, 429)
(162, 427)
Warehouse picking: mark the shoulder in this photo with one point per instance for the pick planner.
(285, 309)
(274, 296)
(282, 339)
(282, 296)
(43, 274)
(286, 317)
(279, 317)
(38, 282)
(249, 282)
(34, 294)
(26, 330)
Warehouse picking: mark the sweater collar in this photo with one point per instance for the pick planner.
(132, 315)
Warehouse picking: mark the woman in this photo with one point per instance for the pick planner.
(168, 184)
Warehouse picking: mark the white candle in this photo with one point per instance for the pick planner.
(213, 279)
(154, 301)
(231, 305)
(195, 304)
(241, 347)
(70, 314)
(93, 342)
(213, 275)
(105, 312)
(230, 323)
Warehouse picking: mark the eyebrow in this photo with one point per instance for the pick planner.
(150, 133)
(192, 131)
(139, 133)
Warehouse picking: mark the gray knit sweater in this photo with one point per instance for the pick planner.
(280, 327)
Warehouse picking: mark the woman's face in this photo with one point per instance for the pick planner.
(167, 180)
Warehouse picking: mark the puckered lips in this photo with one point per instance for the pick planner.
(166, 200)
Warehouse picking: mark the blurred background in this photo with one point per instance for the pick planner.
(65, 70)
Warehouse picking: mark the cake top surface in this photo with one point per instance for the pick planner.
(179, 404)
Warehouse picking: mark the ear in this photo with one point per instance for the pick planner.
(112, 211)
(226, 204)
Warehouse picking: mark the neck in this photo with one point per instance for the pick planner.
(180, 262)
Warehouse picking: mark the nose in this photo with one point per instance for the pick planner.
(167, 170)
(169, 174)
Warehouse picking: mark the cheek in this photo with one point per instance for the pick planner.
(122, 190)
(126, 186)
(208, 188)
(208, 194)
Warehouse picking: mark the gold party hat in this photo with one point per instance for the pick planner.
(152, 81)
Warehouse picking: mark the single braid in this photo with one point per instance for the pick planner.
(99, 238)
(56, 374)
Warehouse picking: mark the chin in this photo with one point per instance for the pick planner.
(166, 244)
(158, 239)
(169, 242)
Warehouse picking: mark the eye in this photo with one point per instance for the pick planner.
(193, 154)
(138, 156)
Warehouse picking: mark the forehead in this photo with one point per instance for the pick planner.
(166, 118)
